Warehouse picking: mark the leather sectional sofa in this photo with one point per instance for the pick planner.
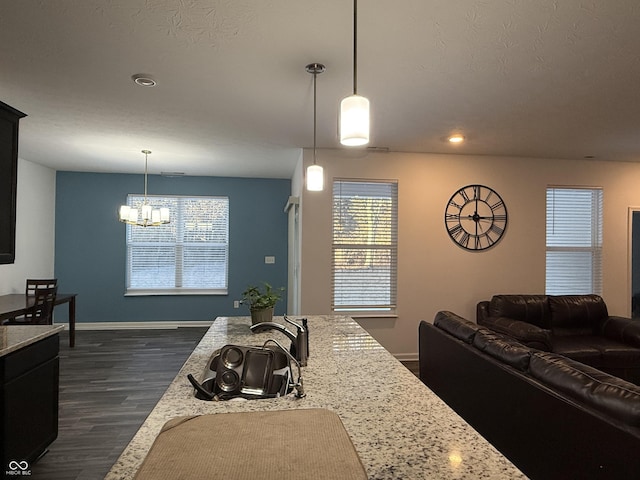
(575, 326)
(553, 417)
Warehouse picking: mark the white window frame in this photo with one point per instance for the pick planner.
(573, 240)
(373, 293)
(178, 238)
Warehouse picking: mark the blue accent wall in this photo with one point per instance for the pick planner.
(90, 250)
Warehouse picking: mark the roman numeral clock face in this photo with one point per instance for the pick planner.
(476, 217)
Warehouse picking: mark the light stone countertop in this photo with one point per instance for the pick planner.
(15, 337)
(400, 428)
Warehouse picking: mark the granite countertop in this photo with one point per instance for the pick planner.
(399, 427)
(15, 337)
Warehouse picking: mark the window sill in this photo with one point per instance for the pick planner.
(176, 291)
(364, 315)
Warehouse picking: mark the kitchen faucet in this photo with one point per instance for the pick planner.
(299, 340)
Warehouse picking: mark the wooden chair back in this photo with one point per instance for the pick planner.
(42, 311)
(44, 292)
(34, 285)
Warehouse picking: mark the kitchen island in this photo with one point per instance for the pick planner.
(400, 429)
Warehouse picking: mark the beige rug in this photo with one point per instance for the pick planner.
(288, 444)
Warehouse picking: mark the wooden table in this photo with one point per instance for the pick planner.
(16, 304)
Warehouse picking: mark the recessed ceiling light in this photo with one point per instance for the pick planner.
(457, 138)
(143, 80)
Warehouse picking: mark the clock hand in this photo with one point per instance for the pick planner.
(478, 217)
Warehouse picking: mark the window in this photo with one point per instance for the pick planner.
(574, 241)
(187, 256)
(365, 245)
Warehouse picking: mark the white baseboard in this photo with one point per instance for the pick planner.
(138, 325)
(406, 357)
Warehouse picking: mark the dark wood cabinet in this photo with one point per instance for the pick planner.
(9, 118)
(29, 399)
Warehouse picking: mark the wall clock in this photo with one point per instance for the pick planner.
(476, 217)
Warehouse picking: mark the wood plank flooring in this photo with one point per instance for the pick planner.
(109, 383)
(413, 366)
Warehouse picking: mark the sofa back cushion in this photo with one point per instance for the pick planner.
(503, 348)
(576, 314)
(605, 393)
(455, 325)
(532, 309)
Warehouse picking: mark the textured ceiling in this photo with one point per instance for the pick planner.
(554, 79)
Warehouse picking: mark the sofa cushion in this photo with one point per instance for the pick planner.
(625, 330)
(526, 333)
(526, 308)
(582, 348)
(597, 351)
(611, 395)
(459, 327)
(576, 314)
(503, 348)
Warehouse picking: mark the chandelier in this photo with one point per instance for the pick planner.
(149, 216)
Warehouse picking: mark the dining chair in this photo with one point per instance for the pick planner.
(43, 293)
(33, 285)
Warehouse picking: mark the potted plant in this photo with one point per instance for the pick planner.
(261, 302)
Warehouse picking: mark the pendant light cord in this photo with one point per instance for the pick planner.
(355, 47)
(315, 69)
(315, 74)
(145, 177)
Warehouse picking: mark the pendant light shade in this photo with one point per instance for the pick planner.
(315, 173)
(354, 109)
(315, 178)
(354, 121)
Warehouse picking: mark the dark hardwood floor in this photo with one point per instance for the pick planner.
(413, 366)
(109, 383)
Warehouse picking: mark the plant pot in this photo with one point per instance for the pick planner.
(259, 316)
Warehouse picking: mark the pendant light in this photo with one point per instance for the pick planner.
(315, 173)
(354, 109)
(150, 217)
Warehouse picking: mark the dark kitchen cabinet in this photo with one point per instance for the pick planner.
(9, 118)
(29, 400)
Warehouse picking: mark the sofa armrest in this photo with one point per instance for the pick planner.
(622, 329)
(482, 311)
(526, 333)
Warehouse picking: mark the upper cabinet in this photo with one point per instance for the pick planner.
(9, 118)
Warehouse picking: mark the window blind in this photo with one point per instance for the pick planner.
(365, 245)
(188, 255)
(574, 241)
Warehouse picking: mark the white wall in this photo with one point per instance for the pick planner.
(433, 273)
(35, 233)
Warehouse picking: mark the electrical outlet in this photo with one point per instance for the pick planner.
(269, 259)
(236, 304)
